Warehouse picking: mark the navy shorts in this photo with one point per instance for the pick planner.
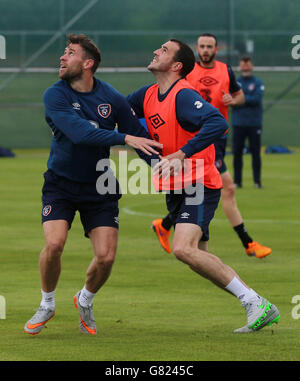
(61, 198)
(199, 214)
(220, 148)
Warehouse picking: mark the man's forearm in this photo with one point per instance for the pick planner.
(239, 98)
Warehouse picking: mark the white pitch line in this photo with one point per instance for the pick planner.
(263, 221)
(133, 213)
(142, 214)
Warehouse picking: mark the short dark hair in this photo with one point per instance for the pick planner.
(89, 47)
(209, 35)
(186, 56)
(246, 58)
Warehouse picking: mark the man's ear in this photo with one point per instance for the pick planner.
(88, 64)
(177, 66)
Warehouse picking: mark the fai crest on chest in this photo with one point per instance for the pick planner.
(104, 110)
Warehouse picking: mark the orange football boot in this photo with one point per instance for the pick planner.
(257, 250)
(162, 234)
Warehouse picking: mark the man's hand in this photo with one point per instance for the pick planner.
(236, 99)
(169, 165)
(228, 99)
(143, 144)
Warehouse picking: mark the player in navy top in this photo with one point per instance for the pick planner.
(83, 125)
(82, 113)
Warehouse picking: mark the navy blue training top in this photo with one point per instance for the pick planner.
(250, 114)
(83, 127)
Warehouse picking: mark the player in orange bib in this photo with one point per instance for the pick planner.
(217, 84)
(178, 117)
(173, 136)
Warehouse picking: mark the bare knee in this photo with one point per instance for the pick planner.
(182, 252)
(105, 258)
(185, 253)
(229, 191)
(55, 247)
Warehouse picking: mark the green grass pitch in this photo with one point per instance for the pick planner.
(153, 307)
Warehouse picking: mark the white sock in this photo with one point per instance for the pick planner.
(48, 299)
(86, 297)
(237, 288)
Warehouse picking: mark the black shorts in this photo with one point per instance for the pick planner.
(196, 213)
(220, 148)
(61, 198)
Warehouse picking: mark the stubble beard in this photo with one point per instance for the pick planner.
(72, 75)
(207, 60)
